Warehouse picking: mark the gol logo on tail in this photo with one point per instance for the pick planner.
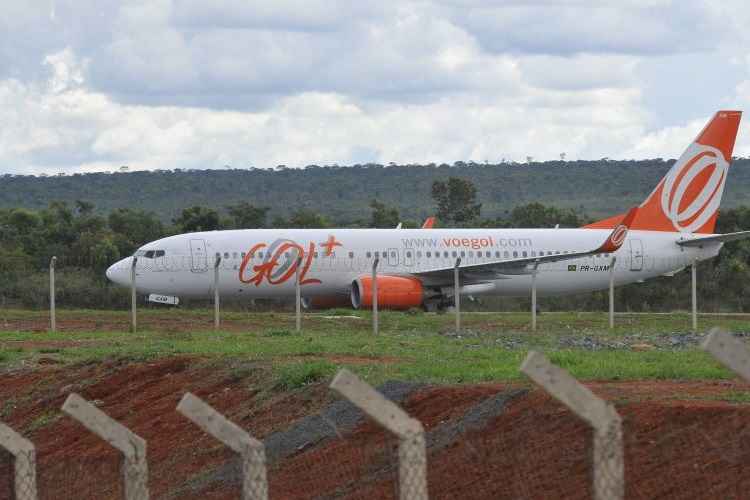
(691, 192)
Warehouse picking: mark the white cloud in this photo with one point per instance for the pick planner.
(181, 83)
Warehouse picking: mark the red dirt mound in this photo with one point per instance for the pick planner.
(676, 446)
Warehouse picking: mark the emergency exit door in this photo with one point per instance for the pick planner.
(636, 255)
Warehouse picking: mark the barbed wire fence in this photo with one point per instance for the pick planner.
(517, 452)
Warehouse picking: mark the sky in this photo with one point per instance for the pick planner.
(91, 85)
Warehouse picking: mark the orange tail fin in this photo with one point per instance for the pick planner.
(687, 199)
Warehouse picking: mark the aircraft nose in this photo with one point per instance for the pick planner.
(119, 272)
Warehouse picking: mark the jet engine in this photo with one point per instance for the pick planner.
(394, 292)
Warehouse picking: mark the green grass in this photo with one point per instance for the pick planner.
(420, 347)
(295, 375)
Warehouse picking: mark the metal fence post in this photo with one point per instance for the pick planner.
(612, 292)
(297, 296)
(217, 306)
(133, 297)
(252, 451)
(730, 351)
(375, 295)
(533, 296)
(24, 463)
(412, 454)
(694, 294)
(457, 294)
(52, 311)
(132, 446)
(608, 461)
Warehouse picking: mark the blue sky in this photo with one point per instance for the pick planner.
(92, 85)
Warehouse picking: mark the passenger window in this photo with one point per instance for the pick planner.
(377, 254)
(393, 254)
(351, 255)
(368, 254)
(408, 254)
(445, 254)
(454, 254)
(497, 254)
(515, 254)
(463, 254)
(525, 254)
(234, 255)
(507, 254)
(471, 253)
(419, 255)
(428, 254)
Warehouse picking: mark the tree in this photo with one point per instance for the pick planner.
(456, 200)
(538, 215)
(303, 218)
(198, 219)
(132, 228)
(247, 216)
(383, 216)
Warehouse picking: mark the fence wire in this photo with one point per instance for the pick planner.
(84, 477)
(6, 475)
(362, 464)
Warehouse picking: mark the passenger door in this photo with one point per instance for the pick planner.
(198, 257)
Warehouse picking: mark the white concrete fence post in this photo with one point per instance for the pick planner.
(132, 446)
(133, 297)
(297, 296)
(533, 295)
(24, 463)
(608, 461)
(612, 292)
(217, 304)
(412, 452)
(730, 351)
(457, 293)
(52, 311)
(375, 325)
(694, 294)
(251, 451)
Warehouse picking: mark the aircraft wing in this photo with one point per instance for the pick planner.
(499, 269)
(716, 238)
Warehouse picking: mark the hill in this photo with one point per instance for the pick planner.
(597, 188)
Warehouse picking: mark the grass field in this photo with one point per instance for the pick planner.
(411, 346)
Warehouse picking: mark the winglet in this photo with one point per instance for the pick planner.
(617, 237)
(429, 222)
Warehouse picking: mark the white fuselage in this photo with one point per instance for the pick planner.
(258, 263)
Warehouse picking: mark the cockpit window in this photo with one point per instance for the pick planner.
(150, 254)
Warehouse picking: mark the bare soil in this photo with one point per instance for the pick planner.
(681, 439)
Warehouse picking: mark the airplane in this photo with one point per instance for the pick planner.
(670, 230)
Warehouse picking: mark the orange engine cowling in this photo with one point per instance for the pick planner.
(394, 292)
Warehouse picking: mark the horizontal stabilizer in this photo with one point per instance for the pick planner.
(716, 238)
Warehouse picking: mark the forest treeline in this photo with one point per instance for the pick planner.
(596, 188)
(86, 241)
